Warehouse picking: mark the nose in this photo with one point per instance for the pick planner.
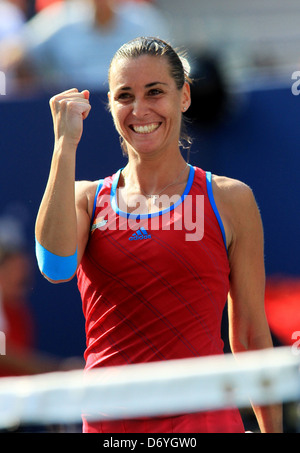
(140, 107)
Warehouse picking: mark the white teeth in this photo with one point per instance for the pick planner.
(145, 129)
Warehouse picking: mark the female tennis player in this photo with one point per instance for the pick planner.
(160, 245)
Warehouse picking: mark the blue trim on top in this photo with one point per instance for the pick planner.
(118, 211)
(213, 205)
(99, 187)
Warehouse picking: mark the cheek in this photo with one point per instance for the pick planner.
(116, 121)
(118, 115)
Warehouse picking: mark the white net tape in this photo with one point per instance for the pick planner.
(178, 386)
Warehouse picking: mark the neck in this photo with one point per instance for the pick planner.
(151, 177)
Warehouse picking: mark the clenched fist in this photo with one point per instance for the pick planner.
(69, 109)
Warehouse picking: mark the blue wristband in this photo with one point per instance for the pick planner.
(55, 267)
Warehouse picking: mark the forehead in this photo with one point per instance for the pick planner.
(144, 70)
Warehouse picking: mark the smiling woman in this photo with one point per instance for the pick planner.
(147, 113)
(160, 245)
(171, 64)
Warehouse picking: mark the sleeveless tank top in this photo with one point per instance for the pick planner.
(154, 286)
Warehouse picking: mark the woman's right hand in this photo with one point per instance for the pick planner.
(69, 109)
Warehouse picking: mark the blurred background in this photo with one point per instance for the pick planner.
(245, 115)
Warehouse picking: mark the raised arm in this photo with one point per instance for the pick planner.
(248, 327)
(63, 218)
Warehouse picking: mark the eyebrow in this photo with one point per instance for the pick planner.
(149, 85)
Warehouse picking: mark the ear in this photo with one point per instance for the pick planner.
(186, 97)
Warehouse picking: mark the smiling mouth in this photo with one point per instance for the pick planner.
(146, 129)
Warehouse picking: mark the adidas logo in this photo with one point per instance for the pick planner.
(140, 234)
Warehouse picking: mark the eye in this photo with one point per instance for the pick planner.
(123, 96)
(155, 92)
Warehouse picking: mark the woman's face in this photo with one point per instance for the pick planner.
(146, 104)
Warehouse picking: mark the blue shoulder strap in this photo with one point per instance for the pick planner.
(99, 187)
(214, 206)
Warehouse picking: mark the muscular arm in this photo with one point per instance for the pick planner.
(248, 327)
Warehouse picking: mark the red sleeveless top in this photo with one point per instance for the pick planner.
(154, 287)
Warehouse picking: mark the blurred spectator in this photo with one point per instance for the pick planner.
(282, 303)
(42, 4)
(209, 92)
(16, 320)
(26, 6)
(12, 19)
(71, 43)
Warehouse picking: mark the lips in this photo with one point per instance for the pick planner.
(146, 128)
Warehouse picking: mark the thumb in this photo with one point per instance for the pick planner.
(86, 94)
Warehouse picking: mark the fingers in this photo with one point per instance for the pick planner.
(69, 109)
(72, 91)
(71, 99)
(70, 95)
(86, 94)
(86, 112)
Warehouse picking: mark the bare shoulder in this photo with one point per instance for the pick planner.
(237, 207)
(232, 192)
(226, 185)
(85, 186)
(85, 193)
